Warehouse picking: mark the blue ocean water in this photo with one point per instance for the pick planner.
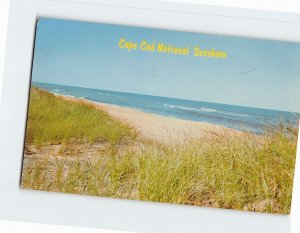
(237, 117)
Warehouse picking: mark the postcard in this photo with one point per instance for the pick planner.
(165, 116)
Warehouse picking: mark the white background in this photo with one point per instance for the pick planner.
(276, 5)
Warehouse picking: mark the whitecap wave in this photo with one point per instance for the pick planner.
(206, 110)
(190, 108)
(209, 109)
(170, 106)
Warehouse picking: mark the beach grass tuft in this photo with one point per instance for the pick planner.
(53, 120)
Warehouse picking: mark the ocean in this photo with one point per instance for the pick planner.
(237, 117)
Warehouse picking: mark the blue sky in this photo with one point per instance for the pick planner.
(257, 73)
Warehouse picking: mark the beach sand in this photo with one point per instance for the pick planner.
(159, 128)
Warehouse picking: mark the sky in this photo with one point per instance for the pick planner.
(257, 73)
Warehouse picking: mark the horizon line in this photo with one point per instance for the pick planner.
(280, 110)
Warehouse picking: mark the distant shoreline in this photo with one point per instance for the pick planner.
(156, 127)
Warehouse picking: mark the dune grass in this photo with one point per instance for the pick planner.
(242, 172)
(53, 120)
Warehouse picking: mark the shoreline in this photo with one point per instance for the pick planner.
(158, 127)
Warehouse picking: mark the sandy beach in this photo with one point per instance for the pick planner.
(159, 128)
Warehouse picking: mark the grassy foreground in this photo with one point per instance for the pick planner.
(236, 172)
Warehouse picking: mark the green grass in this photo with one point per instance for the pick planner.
(242, 172)
(53, 120)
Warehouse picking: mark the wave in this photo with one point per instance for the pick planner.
(209, 109)
(205, 110)
(191, 109)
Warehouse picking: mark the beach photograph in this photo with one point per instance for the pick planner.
(164, 116)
